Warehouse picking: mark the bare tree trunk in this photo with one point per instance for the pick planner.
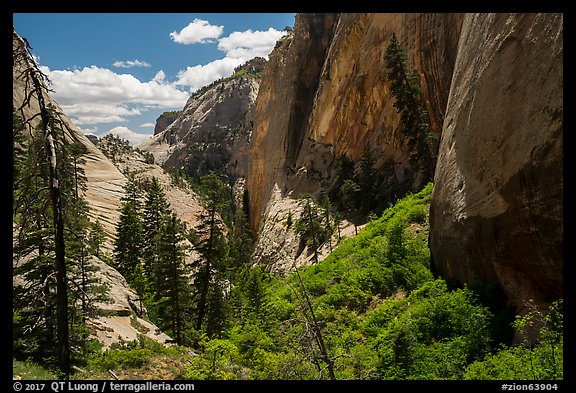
(61, 284)
(317, 332)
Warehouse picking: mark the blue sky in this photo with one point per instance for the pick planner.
(118, 72)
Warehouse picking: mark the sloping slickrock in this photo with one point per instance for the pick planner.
(104, 190)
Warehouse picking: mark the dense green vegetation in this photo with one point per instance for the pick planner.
(371, 310)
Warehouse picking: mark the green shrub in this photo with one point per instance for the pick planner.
(30, 371)
(417, 214)
(121, 358)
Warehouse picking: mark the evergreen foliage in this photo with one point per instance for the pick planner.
(128, 244)
(172, 276)
(210, 241)
(156, 206)
(405, 87)
(315, 225)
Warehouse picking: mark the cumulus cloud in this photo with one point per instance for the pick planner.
(201, 75)
(89, 113)
(147, 125)
(125, 133)
(94, 95)
(199, 31)
(131, 63)
(89, 131)
(239, 48)
(249, 44)
(102, 86)
(160, 77)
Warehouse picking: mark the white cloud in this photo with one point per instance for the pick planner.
(159, 77)
(89, 131)
(199, 31)
(146, 125)
(130, 64)
(125, 133)
(239, 47)
(249, 44)
(94, 95)
(201, 75)
(102, 86)
(98, 113)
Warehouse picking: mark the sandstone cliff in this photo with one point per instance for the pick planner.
(497, 205)
(164, 120)
(105, 182)
(213, 129)
(326, 93)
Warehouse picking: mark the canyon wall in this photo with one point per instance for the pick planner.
(326, 93)
(497, 205)
(214, 127)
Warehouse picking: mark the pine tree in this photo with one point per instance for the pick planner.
(155, 207)
(210, 241)
(96, 238)
(128, 243)
(367, 180)
(172, 277)
(34, 296)
(405, 87)
(35, 89)
(216, 311)
(256, 304)
(344, 172)
(240, 245)
(50, 219)
(311, 226)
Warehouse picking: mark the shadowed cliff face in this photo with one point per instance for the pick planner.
(326, 93)
(283, 105)
(497, 205)
(492, 86)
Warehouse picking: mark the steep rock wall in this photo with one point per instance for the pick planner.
(283, 105)
(497, 204)
(164, 120)
(326, 93)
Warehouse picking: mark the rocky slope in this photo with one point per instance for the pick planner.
(497, 205)
(120, 318)
(213, 130)
(164, 120)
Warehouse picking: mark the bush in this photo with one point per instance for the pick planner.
(124, 358)
(30, 371)
(417, 213)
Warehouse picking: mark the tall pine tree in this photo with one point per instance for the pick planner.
(210, 241)
(405, 87)
(173, 278)
(129, 240)
(155, 207)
